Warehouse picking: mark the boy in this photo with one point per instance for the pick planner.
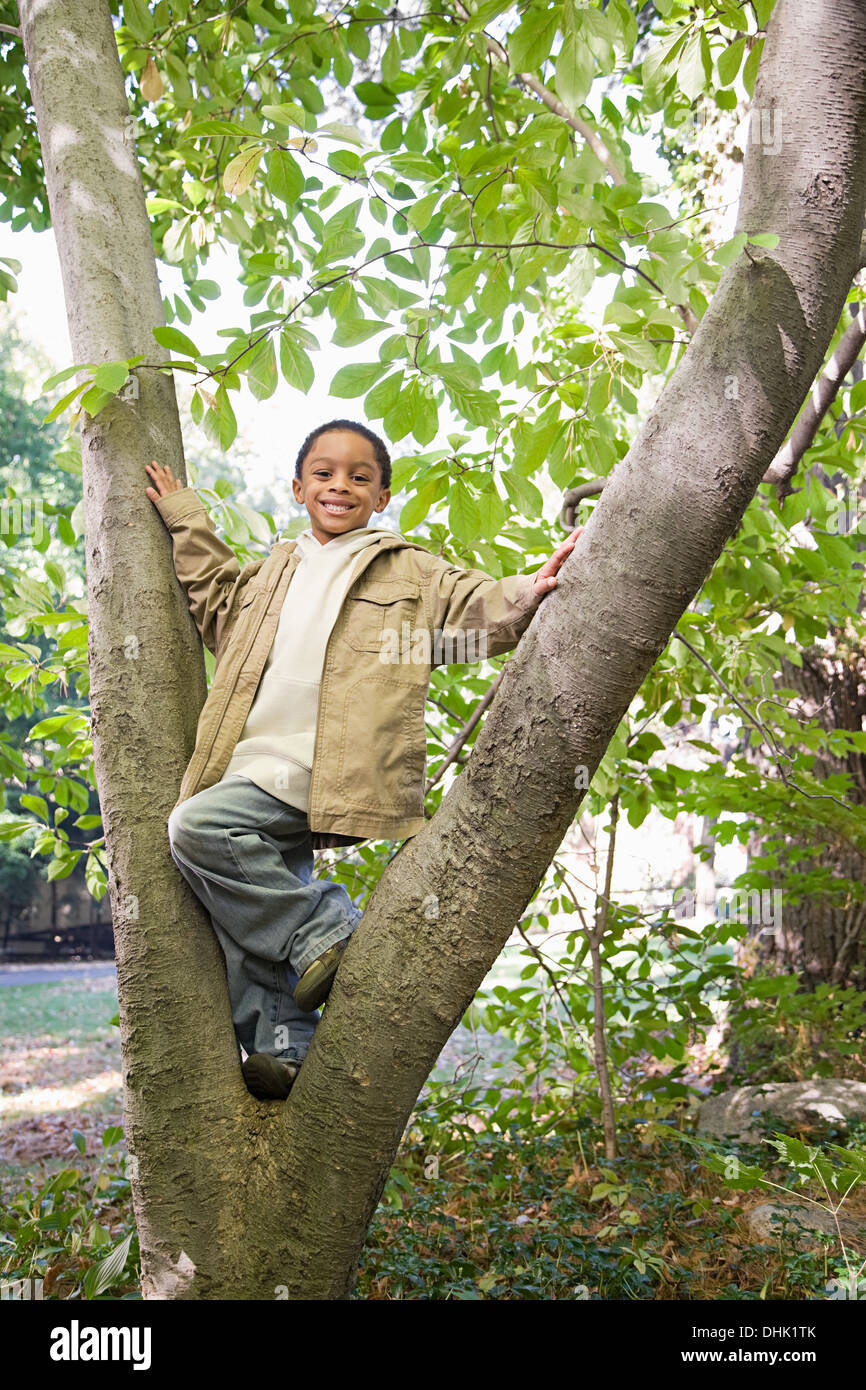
(313, 732)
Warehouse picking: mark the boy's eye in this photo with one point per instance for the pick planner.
(356, 477)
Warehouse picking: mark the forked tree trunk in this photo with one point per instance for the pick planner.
(234, 1198)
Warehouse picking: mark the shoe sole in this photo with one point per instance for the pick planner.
(314, 985)
(266, 1077)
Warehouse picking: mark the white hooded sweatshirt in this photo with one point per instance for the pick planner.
(275, 748)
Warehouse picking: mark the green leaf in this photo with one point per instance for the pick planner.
(464, 516)
(383, 395)
(67, 372)
(574, 71)
(262, 372)
(356, 379)
(728, 62)
(175, 341)
(138, 19)
(285, 178)
(351, 331)
(50, 726)
(257, 524)
(750, 69)
(11, 829)
(532, 441)
(94, 400)
(690, 69)
(62, 866)
(524, 494)
(64, 401)
(492, 512)
(728, 252)
(111, 376)
(287, 113)
(240, 171)
(107, 1272)
(215, 127)
(294, 362)
(37, 804)
(416, 509)
(220, 421)
(532, 41)
(157, 205)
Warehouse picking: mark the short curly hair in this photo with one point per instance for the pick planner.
(383, 458)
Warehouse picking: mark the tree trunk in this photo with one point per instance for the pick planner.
(236, 1199)
(821, 940)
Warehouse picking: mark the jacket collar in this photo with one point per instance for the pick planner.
(387, 540)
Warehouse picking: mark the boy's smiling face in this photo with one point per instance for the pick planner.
(341, 486)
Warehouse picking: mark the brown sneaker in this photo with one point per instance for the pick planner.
(314, 986)
(269, 1077)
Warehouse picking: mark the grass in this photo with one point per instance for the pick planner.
(60, 1070)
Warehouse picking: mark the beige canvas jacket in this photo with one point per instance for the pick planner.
(369, 757)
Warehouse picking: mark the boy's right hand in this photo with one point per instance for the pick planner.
(164, 480)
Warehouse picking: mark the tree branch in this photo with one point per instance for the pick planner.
(462, 736)
(824, 392)
(583, 128)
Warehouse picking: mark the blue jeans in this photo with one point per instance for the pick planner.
(249, 858)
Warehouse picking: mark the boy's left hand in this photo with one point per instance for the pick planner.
(545, 579)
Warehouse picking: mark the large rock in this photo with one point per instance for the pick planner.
(801, 1225)
(733, 1113)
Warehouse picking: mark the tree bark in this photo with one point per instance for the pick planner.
(820, 940)
(147, 678)
(237, 1199)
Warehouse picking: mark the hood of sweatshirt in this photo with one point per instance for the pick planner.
(349, 543)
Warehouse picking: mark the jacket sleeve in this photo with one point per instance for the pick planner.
(498, 610)
(206, 567)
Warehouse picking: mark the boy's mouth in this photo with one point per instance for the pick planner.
(337, 508)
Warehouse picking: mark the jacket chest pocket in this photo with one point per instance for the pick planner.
(382, 614)
(249, 595)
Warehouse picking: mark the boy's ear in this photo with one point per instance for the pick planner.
(384, 499)
(297, 489)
